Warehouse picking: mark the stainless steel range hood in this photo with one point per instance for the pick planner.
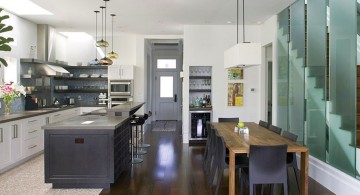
(46, 51)
(46, 42)
(50, 70)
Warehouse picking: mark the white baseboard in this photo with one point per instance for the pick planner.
(333, 179)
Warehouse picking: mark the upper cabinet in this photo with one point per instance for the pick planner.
(121, 72)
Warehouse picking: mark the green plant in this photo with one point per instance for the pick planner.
(4, 41)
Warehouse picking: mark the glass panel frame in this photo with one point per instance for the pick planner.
(342, 104)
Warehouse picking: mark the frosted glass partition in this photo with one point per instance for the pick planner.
(342, 105)
(316, 79)
(296, 69)
(283, 70)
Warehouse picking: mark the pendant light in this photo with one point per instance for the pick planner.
(105, 60)
(245, 53)
(102, 42)
(112, 54)
(95, 61)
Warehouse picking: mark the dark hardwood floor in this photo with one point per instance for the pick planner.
(173, 168)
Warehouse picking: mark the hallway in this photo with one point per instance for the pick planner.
(173, 168)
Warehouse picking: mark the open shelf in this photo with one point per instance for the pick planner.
(81, 78)
(82, 91)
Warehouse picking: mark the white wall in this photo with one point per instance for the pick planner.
(24, 34)
(268, 36)
(205, 46)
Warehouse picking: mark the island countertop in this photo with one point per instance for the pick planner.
(88, 122)
(125, 109)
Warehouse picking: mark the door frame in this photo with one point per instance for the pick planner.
(166, 49)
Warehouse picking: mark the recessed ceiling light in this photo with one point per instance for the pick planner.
(229, 22)
(23, 7)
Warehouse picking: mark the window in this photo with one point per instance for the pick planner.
(166, 86)
(166, 63)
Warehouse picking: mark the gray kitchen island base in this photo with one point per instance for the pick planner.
(86, 156)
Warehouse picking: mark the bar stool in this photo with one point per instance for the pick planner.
(145, 116)
(134, 126)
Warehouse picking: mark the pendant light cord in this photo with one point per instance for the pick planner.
(112, 32)
(102, 22)
(237, 21)
(96, 24)
(105, 26)
(243, 21)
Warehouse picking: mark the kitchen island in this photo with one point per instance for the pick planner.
(88, 151)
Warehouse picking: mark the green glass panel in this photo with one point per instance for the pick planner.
(283, 70)
(297, 69)
(316, 79)
(342, 105)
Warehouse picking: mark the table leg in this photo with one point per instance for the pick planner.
(232, 173)
(304, 189)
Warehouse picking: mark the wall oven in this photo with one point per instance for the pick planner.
(120, 88)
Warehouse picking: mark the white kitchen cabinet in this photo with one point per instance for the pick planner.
(121, 72)
(15, 142)
(33, 135)
(4, 145)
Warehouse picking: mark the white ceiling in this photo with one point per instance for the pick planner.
(153, 16)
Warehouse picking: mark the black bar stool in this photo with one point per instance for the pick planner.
(145, 116)
(134, 123)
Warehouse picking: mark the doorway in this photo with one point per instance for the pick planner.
(269, 78)
(164, 70)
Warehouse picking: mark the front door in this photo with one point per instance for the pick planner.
(167, 95)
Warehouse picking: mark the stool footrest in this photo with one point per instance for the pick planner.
(136, 160)
(144, 145)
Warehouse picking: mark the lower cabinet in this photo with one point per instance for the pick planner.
(4, 145)
(10, 143)
(83, 158)
(23, 138)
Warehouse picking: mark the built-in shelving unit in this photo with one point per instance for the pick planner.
(200, 110)
(69, 85)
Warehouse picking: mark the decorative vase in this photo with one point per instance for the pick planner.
(7, 107)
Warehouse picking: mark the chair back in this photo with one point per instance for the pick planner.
(263, 124)
(290, 136)
(275, 129)
(267, 164)
(222, 120)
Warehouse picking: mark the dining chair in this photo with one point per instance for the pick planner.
(275, 129)
(221, 120)
(209, 148)
(267, 165)
(291, 157)
(221, 162)
(263, 124)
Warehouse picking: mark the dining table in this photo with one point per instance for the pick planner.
(257, 135)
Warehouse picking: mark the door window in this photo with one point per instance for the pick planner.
(166, 86)
(166, 63)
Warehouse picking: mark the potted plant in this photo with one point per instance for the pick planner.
(4, 46)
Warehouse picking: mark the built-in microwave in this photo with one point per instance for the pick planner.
(120, 88)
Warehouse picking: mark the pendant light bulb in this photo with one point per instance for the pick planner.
(102, 42)
(112, 54)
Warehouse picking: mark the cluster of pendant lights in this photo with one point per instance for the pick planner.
(107, 59)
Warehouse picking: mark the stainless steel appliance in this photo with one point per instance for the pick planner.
(120, 88)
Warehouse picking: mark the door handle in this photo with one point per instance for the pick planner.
(175, 98)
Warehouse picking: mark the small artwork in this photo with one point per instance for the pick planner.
(235, 94)
(235, 73)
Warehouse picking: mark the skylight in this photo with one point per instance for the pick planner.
(23, 7)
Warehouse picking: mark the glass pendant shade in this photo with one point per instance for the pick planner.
(113, 55)
(102, 43)
(105, 61)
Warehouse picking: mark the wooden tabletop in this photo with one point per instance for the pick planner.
(258, 135)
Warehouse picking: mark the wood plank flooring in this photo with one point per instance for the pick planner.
(173, 168)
